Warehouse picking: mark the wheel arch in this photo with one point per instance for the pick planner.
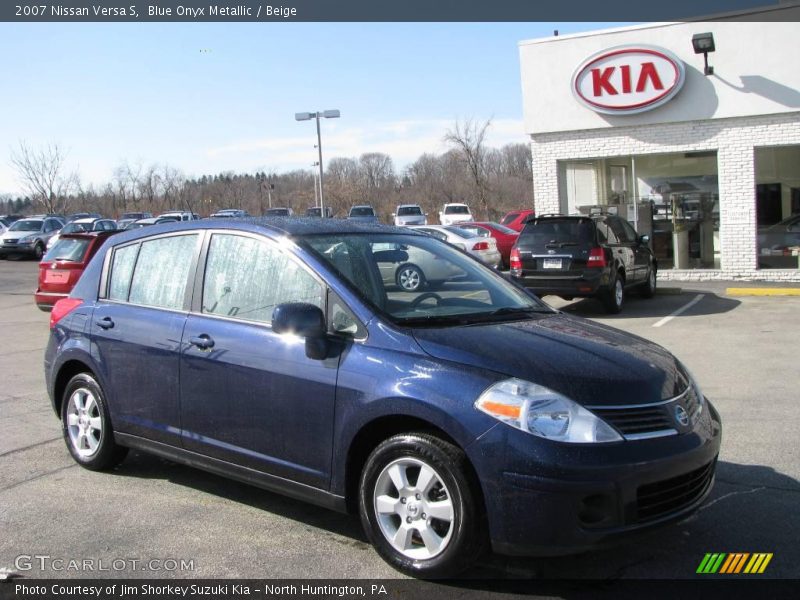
(66, 372)
(372, 433)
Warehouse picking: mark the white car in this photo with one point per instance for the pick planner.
(455, 212)
(83, 225)
(180, 215)
(482, 248)
(409, 214)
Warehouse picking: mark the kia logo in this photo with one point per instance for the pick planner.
(682, 416)
(628, 79)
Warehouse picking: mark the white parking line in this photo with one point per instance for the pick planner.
(682, 309)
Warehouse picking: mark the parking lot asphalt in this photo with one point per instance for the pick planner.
(743, 351)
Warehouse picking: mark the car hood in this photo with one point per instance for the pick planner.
(590, 363)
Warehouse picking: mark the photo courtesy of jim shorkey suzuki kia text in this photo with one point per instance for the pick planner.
(192, 590)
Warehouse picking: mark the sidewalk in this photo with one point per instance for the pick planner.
(732, 288)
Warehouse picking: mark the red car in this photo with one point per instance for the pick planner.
(504, 236)
(516, 218)
(63, 265)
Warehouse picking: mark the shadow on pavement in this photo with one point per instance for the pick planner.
(647, 308)
(751, 509)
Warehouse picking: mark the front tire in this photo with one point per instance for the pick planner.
(648, 289)
(614, 297)
(38, 251)
(420, 508)
(86, 425)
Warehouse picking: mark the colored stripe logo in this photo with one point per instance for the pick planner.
(734, 563)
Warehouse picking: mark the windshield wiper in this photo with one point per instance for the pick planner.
(516, 310)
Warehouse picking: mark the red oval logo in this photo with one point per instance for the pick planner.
(628, 79)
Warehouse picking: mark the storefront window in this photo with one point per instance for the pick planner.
(674, 198)
(778, 207)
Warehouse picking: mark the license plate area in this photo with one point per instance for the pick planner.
(552, 263)
(56, 277)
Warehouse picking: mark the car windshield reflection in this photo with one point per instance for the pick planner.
(418, 280)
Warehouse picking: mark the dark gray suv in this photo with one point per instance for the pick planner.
(598, 256)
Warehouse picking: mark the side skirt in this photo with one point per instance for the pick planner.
(259, 479)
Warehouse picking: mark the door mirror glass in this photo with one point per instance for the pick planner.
(299, 318)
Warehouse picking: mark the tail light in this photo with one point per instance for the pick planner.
(597, 258)
(481, 246)
(62, 308)
(515, 261)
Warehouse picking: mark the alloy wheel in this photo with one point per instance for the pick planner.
(414, 508)
(84, 423)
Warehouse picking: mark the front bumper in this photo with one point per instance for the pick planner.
(547, 499)
(18, 248)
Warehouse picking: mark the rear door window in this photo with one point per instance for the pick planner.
(153, 273)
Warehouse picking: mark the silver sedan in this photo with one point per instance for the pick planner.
(482, 248)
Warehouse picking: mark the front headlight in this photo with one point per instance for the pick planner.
(26, 240)
(544, 413)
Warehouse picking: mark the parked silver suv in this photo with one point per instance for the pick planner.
(29, 236)
(409, 214)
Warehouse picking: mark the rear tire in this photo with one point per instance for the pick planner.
(410, 278)
(433, 527)
(86, 425)
(614, 297)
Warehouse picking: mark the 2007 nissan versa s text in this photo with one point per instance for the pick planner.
(462, 416)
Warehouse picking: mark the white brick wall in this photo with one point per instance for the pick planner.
(734, 141)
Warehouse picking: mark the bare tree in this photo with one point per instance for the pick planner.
(43, 172)
(468, 139)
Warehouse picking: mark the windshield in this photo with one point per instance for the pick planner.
(509, 218)
(362, 211)
(502, 229)
(418, 281)
(405, 211)
(458, 209)
(71, 249)
(26, 225)
(76, 227)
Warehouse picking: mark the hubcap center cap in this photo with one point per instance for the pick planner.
(413, 509)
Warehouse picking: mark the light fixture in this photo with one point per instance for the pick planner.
(703, 43)
(307, 116)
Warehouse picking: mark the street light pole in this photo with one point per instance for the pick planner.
(307, 116)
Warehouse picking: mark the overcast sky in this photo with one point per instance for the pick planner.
(208, 98)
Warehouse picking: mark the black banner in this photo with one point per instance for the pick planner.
(373, 10)
(395, 589)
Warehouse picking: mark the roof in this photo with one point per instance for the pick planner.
(289, 226)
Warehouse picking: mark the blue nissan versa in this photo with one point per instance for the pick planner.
(460, 416)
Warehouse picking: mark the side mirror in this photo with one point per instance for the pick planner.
(305, 320)
(644, 239)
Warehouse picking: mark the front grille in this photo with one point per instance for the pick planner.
(659, 499)
(637, 421)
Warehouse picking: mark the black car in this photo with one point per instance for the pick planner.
(597, 256)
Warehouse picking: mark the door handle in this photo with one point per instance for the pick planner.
(105, 323)
(203, 342)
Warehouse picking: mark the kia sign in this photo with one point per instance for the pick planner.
(628, 79)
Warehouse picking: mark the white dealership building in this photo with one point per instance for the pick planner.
(699, 151)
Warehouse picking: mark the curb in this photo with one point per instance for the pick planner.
(762, 291)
